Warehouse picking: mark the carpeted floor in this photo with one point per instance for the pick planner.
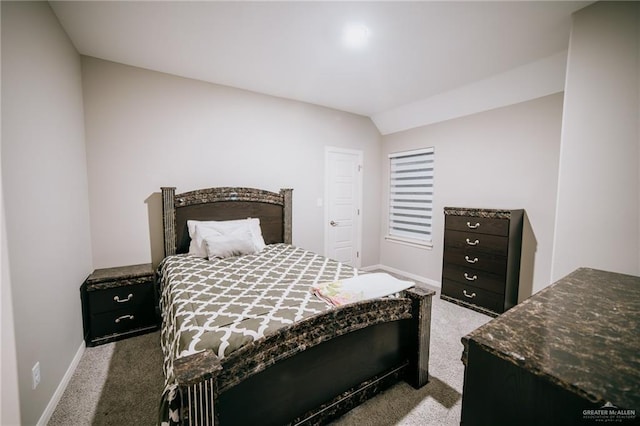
(120, 383)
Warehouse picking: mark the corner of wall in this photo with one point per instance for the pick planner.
(45, 201)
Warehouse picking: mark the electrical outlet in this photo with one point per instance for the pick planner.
(35, 373)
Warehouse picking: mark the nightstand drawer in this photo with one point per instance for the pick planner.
(122, 320)
(477, 242)
(120, 297)
(473, 295)
(481, 225)
(471, 258)
(477, 278)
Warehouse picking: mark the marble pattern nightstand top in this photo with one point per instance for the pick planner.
(581, 333)
(120, 276)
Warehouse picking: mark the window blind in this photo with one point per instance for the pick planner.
(411, 194)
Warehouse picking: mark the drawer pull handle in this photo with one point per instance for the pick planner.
(470, 296)
(470, 226)
(474, 260)
(123, 317)
(472, 243)
(117, 298)
(468, 278)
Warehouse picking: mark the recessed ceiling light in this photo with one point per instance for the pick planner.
(355, 35)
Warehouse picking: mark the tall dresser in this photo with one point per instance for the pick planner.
(481, 262)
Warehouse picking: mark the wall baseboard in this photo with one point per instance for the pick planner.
(419, 278)
(57, 395)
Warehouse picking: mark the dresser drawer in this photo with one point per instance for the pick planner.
(120, 297)
(123, 320)
(469, 257)
(477, 278)
(480, 243)
(472, 294)
(481, 225)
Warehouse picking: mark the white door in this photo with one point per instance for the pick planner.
(343, 195)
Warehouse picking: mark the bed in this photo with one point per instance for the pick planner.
(246, 342)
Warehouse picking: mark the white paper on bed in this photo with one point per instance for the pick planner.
(362, 287)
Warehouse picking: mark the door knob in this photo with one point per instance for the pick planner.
(333, 223)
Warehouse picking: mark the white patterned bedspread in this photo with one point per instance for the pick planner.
(224, 304)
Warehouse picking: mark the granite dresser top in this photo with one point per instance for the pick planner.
(581, 333)
(486, 213)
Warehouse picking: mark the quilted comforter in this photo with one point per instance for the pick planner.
(227, 303)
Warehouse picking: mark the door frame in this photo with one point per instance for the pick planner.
(358, 221)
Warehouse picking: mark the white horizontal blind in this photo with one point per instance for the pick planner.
(411, 194)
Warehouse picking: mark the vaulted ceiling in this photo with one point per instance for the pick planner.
(412, 53)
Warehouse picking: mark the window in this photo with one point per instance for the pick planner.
(411, 196)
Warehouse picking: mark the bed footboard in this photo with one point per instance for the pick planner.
(315, 370)
(418, 374)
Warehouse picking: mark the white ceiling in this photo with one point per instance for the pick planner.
(416, 50)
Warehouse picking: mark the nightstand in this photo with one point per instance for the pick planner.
(118, 303)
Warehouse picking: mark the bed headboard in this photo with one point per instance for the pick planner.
(224, 203)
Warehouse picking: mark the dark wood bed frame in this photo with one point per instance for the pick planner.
(316, 369)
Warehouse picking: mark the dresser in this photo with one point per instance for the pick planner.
(568, 355)
(118, 303)
(481, 259)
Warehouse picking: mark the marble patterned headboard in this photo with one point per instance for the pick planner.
(225, 203)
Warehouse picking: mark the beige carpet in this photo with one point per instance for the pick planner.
(120, 383)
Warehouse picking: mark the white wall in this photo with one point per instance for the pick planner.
(598, 191)
(45, 196)
(9, 391)
(505, 158)
(544, 77)
(147, 129)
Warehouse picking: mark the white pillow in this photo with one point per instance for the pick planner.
(235, 244)
(196, 246)
(256, 233)
(198, 229)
